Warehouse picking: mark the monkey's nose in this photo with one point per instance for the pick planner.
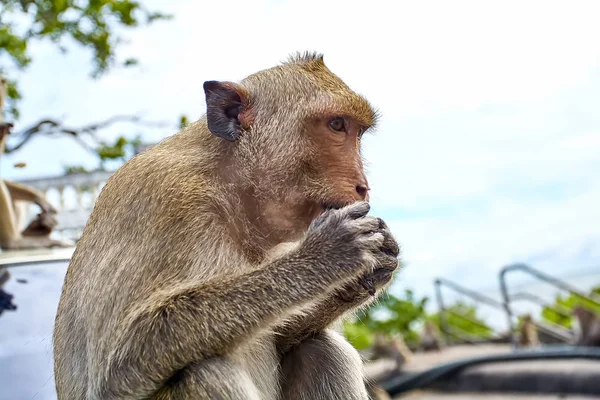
(362, 190)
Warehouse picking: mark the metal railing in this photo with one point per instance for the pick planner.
(558, 283)
(446, 329)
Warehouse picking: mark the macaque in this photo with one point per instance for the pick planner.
(588, 324)
(431, 339)
(37, 233)
(528, 335)
(393, 348)
(215, 264)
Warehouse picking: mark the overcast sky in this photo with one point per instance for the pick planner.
(488, 150)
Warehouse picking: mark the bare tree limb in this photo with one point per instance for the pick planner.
(50, 127)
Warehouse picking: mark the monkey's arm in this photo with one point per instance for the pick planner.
(340, 301)
(330, 309)
(24, 193)
(196, 322)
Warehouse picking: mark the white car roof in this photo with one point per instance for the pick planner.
(8, 257)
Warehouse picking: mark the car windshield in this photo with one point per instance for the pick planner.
(26, 366)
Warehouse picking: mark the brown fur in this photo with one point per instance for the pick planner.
(589, 327)
(528, 335)
(387, 348)
(37, 233)
(431, 338)
(208, 265)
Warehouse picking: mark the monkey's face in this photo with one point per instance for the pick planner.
(337, 176)
(296, 131)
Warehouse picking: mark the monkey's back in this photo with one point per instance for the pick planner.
(136, 224)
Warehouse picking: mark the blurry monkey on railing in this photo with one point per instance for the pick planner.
(587, 327)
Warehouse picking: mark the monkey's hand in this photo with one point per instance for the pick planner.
(345, 243)
(379, 278)
(344, 299)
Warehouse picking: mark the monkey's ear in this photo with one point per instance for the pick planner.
(224, 101)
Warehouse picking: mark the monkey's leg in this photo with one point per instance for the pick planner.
(324, 367)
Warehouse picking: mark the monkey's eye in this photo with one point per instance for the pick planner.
(361, 131)
(338, 124)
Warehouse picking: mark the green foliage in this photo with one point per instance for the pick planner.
(391, 315)
(120, 150)
(404, 316)
(464, 318)
(92, 24)
(359, 335)
(183, 121)
(75, 169)
(568, 303)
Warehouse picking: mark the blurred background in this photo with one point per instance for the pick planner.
(488, 151)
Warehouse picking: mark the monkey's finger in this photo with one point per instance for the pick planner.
(382, 225)
(381, 276)
(366, 225)
(390, 246)
(371, 242)
(357, 210)
(388, 263)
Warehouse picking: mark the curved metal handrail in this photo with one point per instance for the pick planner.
(541, 276)
(445, 328)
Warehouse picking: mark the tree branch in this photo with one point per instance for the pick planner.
(51, 127)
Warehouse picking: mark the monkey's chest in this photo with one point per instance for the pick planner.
(259, 360)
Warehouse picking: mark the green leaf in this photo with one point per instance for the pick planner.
(91, 24)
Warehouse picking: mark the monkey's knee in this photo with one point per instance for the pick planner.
(323, 367)
(215, 379)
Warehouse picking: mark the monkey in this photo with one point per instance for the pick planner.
(45, 222)
(391, 347)
(588, 327)
(528, 335)
(386, 348)
(431, 339)
(37, 233)
(217, 263)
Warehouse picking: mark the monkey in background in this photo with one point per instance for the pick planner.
(37, 233)
(214, 264)
(391, 347)
(385, 347)
(431, 339)
(528, 335)
(587, 327)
